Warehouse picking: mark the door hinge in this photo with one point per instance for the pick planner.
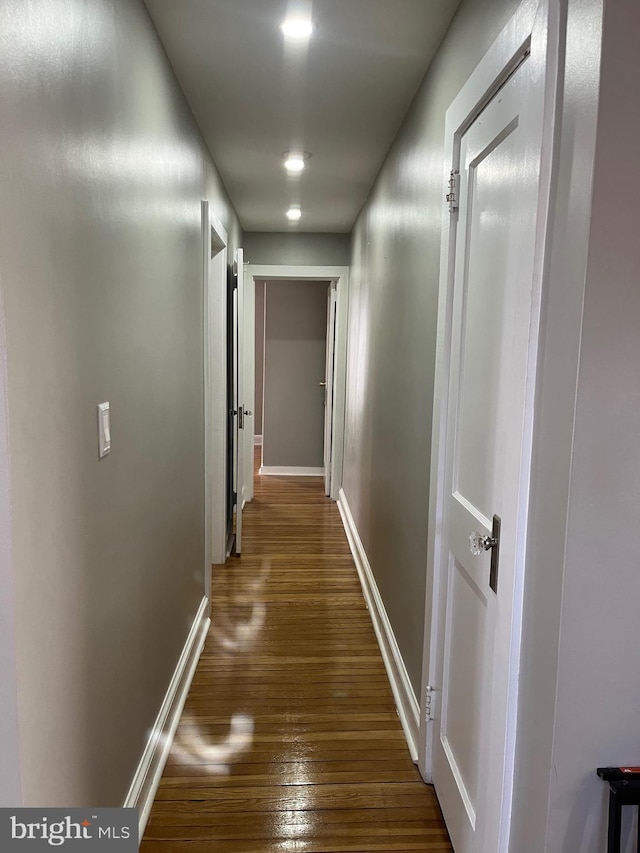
(429, 703)
(453, 196)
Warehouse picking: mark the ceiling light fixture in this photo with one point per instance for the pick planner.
(293, 214)
(295, 163)
(297, 28)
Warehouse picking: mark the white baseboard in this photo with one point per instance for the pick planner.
(406, 701)
(257, 440)
(287, 471)
(149, 772)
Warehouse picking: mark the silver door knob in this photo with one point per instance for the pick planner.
(478, 543)
(322, 384)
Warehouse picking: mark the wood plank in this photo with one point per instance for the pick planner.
(323, 844)
(407, 815)
(297, 754)
(283, 725)
(303, 825)
(286, 774)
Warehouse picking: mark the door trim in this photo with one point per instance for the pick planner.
(535, 28)
(249, 367)
(240, 402)
(11, 770)
(214, 271)
(328, 375)
(339, 275)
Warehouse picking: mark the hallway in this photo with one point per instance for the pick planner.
(289, 739)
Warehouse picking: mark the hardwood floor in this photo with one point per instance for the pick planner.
(290, 742)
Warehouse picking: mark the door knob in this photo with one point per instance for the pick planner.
(479, 543)
(322, 384)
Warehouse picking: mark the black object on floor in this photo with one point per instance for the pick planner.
(624, 790)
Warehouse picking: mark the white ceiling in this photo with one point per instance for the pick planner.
(342, 96)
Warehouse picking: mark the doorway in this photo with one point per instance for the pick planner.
(294, 377)
(231, 406)
(214, 248)
(329, 387)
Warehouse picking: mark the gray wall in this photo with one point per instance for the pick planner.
(392, 334)
(259, 353)
(294, 364)
(101, 178)
(296, 248)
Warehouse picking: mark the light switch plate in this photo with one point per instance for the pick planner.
(104, 429)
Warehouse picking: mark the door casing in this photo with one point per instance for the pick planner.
(328, 378)
(249, 368)
(242, 431)
(338, 276)
(10, 769)
(214, 243)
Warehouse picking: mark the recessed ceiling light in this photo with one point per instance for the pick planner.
(294, 163)
(297, 28)
(293, 214)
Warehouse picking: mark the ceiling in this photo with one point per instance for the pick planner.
(340, 96)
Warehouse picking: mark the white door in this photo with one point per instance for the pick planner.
(239, 371)
(328, 385)
(486, 465)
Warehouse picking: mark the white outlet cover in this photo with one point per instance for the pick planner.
(104, 429)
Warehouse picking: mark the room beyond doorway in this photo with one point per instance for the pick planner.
(294, 376)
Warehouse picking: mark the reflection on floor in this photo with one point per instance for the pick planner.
(290, 740)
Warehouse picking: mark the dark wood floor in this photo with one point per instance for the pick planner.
(290, 742)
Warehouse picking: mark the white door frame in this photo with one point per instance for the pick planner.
(243, 431)
(339, 275)
(249, 367)
(10, 770)
(533, 27)
(214, 242)
(328, 378)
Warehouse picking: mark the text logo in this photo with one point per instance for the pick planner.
(35, 830)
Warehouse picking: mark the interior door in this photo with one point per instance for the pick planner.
(484, 518)
(239, 396)
(232, 407)
(328, 385)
